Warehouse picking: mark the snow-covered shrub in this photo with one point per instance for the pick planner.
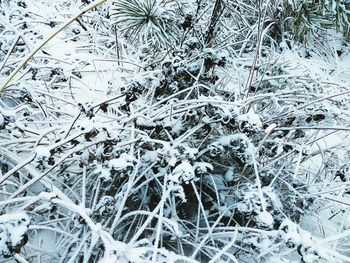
(209, 143)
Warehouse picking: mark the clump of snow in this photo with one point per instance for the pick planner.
(249, 121)
(309, 247)
(87, 124)
(265, 218)
(123, 162)
(150, 156)
(169, 154)
(103, 172)
(142, 121)
(141, 251)
(42, 152)
(12, 230)
(184, 172)
(229, 175)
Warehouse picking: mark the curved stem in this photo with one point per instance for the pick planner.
(45, 41)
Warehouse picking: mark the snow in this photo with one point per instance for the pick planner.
(266, 218)
(6, 218)
(42, 152)
(2, 119)
(150, 156)
(183, 172)
(123, 162)
(270, 128)
(97, 103)
(229, 175)
(103, 172)
(12, 228)
(273, 197)
(252, 119)
(226, 140)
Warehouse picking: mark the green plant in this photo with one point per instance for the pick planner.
(149, 21)
(312, 16)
